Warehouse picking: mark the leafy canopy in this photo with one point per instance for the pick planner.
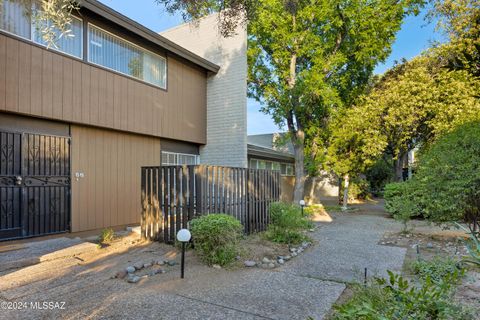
(410, 106)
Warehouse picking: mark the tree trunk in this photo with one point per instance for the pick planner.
(298, 148)
(398, 167)
(346, 181)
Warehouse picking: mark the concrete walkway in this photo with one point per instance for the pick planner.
(305, 287)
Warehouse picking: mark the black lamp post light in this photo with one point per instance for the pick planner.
(183, 235)
(302, 204)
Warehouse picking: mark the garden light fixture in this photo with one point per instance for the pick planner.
(183, 236)
(302, 204)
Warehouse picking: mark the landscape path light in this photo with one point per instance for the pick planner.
(183, 235)
(302, 204)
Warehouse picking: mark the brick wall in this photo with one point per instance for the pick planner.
(226, 91)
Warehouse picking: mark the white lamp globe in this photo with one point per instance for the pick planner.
(302, 203)
(184, 235)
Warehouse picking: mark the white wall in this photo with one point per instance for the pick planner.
(226, 91)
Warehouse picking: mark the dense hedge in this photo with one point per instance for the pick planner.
(446, 186)
(215, 237)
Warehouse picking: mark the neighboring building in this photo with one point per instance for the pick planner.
(77, 122)
(226, 90)
(269, 151)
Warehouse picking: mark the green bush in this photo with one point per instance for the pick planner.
(395, 298)
(436, 269)
(107, 235)
(401, 201)
(358, 189)
(216, 237)
(379, 175)
(446, 186)
(287, 223)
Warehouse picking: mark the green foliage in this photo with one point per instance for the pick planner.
(446, 186)
(358, 189)
(436, 269)
(308, 58)
(473, 246)
(215, 237)
(287, 223)
(396, 299)
(411, 106)
(400, 200)
(378, 175)
(106, 235)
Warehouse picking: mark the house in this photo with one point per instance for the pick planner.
(226, 91)
(79, 120)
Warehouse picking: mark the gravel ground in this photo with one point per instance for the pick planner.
(306, 286)
(347, 246)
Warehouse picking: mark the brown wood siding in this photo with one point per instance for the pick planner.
(42, 83)
(109, 194)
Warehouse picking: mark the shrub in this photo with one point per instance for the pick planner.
(358, 189)
(401, 201)
(216, 237)
(286, 223)
(379, 175)
(107, 235)
(436, 269)
(446, 186)
(396, 298)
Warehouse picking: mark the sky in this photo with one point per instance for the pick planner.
(414, 37)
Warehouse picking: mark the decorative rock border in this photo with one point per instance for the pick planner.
(128, 274)
(267, 263)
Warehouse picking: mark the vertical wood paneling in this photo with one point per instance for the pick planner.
(68, 95)
(94, 93)
(11, 88)
(85, 93)
(43, 83)
(109, 194)
(57, 89)
(77, 91)
(3, 67)
(47, 84)
(24, 81)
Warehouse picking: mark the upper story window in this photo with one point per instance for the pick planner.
(16, 18)
(110, 51)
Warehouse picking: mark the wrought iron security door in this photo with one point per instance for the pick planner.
(34, 185)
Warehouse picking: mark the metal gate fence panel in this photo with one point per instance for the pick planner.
(174, 195)
(34, 184)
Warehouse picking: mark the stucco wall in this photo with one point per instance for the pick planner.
(317, 189)
(226, 91)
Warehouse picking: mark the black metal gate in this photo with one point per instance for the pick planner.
(34, 185)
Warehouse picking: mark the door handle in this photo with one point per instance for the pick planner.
(18, 180)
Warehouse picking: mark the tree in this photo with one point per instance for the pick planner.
(410, 106)
(446, 186)
(51, 17)
(307, 58)
(460, 21)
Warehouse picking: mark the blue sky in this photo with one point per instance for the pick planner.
(414, 37)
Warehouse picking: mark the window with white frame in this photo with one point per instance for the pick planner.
(110, 51)
(16, 18)
(286, 169)
(176, 159)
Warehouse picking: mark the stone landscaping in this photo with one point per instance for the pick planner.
(140, 270)
(267, 263)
